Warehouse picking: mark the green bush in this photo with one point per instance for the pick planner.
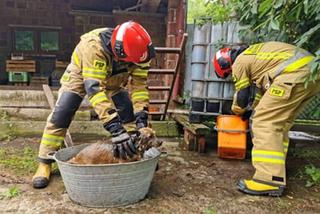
(292, 21)
(313, 174)
(214, 10)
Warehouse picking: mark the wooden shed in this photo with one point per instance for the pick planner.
(44, 32)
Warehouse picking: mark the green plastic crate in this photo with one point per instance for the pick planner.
(18, 77)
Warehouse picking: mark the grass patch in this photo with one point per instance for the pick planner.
(10, 134)
(11, 193)
(11, 130)
(4, 115)
(22, 162)
(210, 210)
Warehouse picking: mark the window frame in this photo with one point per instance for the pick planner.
(36, 39)
(59, 41)
(13, 43)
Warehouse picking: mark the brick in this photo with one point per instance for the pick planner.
(67, 38)
(22, 13)
(10, 4)
(79, 29)
(43, 21)
(172, 57)
(68, 30)
(42, 13)
(68, 20)
(173, 3)
(56, 7)
(172, 15)
(22, 4)
(35, 21)
(79, 20)
(68, 46)
(170, 63)
(108, 22)
(201, 144)
(3, 43)
(30, 13)
(194, 142)
(57, 22)
(77, 37)
(3, 35)
(30, 5)
(172, 28)
(42, 6)
(96, 20)
(171, 41)
(189, 140)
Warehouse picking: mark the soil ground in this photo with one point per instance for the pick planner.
(187, 182)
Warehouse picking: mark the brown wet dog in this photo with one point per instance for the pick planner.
(101, 153)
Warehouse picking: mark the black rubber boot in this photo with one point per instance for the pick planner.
(40, 182)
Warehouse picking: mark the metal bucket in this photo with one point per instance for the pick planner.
(105, 185)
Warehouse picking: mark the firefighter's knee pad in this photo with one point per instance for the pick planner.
(91, 86)
(65, 109)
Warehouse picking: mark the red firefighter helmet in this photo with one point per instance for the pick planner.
(130, 42)
(222, 62)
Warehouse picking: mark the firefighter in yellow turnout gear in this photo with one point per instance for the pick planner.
(277, 71)
(103, 64)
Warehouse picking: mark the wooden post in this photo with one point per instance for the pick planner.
(179, 60)
(49, 95)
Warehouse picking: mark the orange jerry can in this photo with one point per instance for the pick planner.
(232, 136)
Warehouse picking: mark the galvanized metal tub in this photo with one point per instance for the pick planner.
(105, 185)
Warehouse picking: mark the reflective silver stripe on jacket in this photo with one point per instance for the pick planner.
(291, 60)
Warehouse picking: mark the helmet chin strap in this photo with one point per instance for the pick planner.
(119, 49)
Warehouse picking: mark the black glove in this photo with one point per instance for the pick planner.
(246, 115)
(141, 119)
(123, 144)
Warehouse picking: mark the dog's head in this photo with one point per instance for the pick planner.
(146, 139)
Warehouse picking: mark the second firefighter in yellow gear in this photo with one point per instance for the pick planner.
(277, 72)
(104, 64)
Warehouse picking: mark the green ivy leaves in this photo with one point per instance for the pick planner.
(292, 21)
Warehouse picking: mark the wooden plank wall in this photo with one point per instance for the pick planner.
(33, 105)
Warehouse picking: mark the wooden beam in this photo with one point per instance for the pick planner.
(39, 114)
(27, 98)
(167, 50)
(150, 5)
(92, 129)
(47, 91)
(194, 128)
(136, 7)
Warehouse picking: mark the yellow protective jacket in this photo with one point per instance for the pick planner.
(261, 63)
(93, 64)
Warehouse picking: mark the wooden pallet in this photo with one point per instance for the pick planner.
(36, 81)
(20, 65)
(20, 84)
(61, 65)
(194, 134)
